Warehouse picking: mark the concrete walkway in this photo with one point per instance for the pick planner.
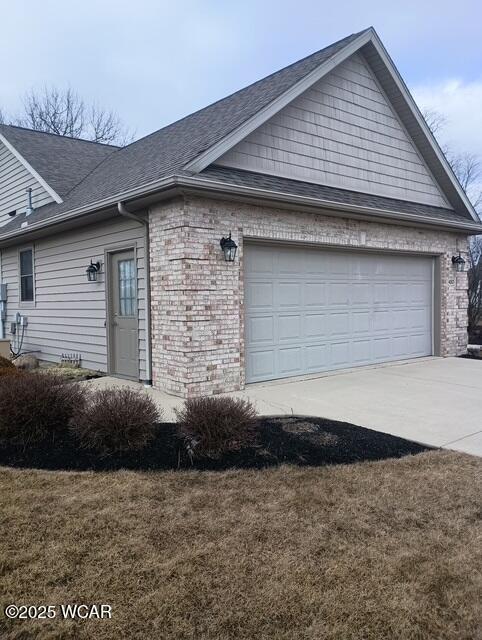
(436, 401)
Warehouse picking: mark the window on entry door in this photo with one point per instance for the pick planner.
(127, 288)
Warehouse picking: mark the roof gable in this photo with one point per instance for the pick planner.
(369, 44)
(341, 132)
(167, 151)
(15, 179)
(59, 162)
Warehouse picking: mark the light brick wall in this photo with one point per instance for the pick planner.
(197, 298)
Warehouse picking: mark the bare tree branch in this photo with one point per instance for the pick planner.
(435, 120)
(65, 113)
(466, 166)
(475, 286)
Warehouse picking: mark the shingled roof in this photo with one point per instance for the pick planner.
(166, 152)
(61, 161)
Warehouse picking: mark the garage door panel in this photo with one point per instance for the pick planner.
(315, 325)
(289, 327)
(310, 310)
(338, 324)
(338, 293)
(316, 262)
(361, 293)
(361, 322)
(315, 357)
(260, 263)
(340, 353)
(288, 294)
(260, 329)
(419, 292)
(361, 351)
(382, 348)
(261, 365)
(290, 360)
(260, 295)
(314, 293)
(381, 293)
(337, 266)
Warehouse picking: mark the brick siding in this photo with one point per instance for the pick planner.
(197, 298)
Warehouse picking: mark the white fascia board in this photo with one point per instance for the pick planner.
(30, 169)
(415, 111)
(217, 150)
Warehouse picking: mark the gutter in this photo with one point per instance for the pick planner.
(121, 208)
(205, 184)
(213, 185)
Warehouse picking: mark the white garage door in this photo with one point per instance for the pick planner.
(310, 310)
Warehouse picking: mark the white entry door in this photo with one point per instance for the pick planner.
(310, 310)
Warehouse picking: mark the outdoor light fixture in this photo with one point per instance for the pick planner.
(229, 248)
(92, 271)
(458, 262)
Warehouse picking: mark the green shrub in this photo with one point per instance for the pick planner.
(115, 420)
(212, 426)
(36, 408)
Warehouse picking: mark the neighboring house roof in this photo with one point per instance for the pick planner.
(61, 161)
(187, 147)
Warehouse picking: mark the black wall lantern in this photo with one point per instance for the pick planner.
(458, 262)
(229, 248)
(92, 271)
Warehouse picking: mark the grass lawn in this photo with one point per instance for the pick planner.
(372, 550)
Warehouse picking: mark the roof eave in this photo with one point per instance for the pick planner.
(209, 185)
(204, 186)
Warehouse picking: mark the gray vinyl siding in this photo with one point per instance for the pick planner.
(342, 132)
(69, 312)
(14, 180)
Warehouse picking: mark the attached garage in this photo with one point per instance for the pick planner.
(310, 310)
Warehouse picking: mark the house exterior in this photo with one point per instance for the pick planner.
(345, 213)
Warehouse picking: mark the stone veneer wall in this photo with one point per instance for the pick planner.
(197, 298)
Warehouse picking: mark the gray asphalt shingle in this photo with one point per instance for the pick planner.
(107, 172)
(61, 161)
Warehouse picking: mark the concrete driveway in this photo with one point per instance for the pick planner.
(436, 401)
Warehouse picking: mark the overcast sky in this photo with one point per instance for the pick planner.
(156, 61)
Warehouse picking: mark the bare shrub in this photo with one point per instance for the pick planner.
(27, 362)
(36, 408)
(115, 420)
(10, 371)
(212, 426)
(5, 363)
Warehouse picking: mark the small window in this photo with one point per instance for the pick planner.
(26, 275)
(127, 288)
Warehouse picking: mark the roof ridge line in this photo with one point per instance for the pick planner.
(59, 135)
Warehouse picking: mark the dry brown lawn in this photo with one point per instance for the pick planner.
(380, 550)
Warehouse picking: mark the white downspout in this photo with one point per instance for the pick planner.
(147, 268)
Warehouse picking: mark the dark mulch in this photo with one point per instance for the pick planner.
(288, 439)
(475, 337)
(472, 355)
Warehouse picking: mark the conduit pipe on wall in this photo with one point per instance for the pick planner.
(147, 267)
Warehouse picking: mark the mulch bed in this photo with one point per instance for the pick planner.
(287, 439)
